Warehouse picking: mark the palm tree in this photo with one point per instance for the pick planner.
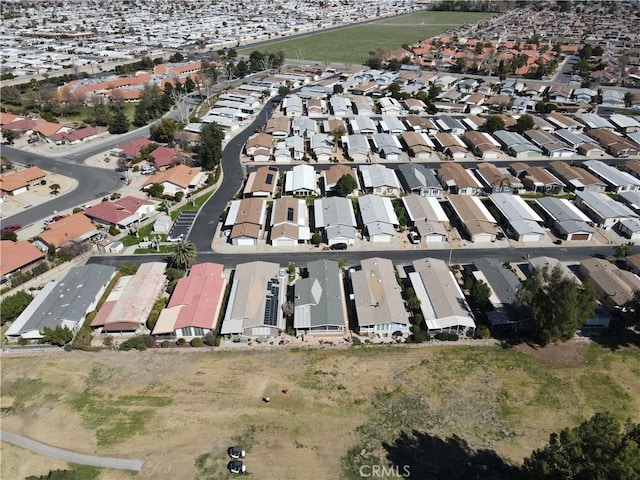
(183, 254)
(55, 188)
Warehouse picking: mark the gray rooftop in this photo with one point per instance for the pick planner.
(416, 176)
(611, 174)
(318, 298)
(504, 284)
(64, 303)
(332, 211)
(566, 215)
(606, 206)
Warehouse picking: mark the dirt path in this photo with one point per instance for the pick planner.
(68, 456)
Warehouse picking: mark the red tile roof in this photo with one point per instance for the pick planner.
(20, 179)
(165, 156)
(117, 211)
(133, 148)
(15, 255)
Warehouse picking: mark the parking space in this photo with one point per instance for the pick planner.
(182, 226)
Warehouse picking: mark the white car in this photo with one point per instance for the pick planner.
(177, 238)
(414, 237)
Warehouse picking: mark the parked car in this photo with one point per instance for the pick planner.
(339, 246)
(58, 217)
(236, 452)
(414, 237)
(176, 238)
(237, 467)
(9, 229)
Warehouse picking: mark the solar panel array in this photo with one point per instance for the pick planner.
(271, 304)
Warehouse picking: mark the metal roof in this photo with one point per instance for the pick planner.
(604, 205)
(514, 207)
(377, 209)
(611, 174)
(318, 297)
(333, 211)
(64, 303)
(418, 176)
(378, 176)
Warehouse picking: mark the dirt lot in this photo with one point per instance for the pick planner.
(178, 410)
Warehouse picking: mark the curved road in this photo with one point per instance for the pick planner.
(204, 227)
(69, 456)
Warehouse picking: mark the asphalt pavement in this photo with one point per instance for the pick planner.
(204, 227)
(69, 456)
(460, 256)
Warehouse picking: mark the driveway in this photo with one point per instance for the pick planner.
(68, 456)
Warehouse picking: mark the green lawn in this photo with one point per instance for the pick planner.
(146, 231)
(197, 204)
(353, 44)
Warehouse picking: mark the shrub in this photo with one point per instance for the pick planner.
(209, 338)
(415, 328)
(40, 269)
(77, 210)
(68, 347)
(165, 344)
(113, 230)
(419, 337)
(181, 341)
(482, 332)
(23, 341)
(218, 341)
(418, 319)
(43, 182)
(108, 341)
(178, 196)
(196, 342)
(356, 341)
(140, 342)
(13, 305)
(447, 337)
(128, 268)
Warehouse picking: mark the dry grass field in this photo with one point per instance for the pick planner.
(179, 409)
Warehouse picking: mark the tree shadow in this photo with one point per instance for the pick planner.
(616, 336)
(431, 458)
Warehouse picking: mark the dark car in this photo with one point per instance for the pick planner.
(339, 246)
(9, 229)
(236, 466)
(236, 452)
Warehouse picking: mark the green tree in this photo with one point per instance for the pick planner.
(155, 190)
(183, 254)
(597, 449)
(628, 99)
(119, 122)
(189, 85)
(57, 336)
(316, 239)
(479, 294)
(524, 123)
(13, 305)
(9, 135)
(622, 250)
(284, 90)
(556, 304)
(210, 147)
(165, 131)
(345, 185)
(631, 311)
(55, 188)
(338, 89)
(494, 123)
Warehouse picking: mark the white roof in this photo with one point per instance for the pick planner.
(300, 177)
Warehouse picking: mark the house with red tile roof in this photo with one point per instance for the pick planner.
(121, 212)
(15, 256)
(76, 227)
(163, 157)
(75, 136)
(195, 304)
(132, 148)
(19, 182)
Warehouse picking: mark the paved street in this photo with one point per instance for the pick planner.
(68, 456)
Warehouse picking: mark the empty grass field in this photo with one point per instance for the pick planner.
(179, 409)
(353, 44)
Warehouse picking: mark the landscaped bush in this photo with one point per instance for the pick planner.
(356, 341)
(165, 344)
(113, 230)
(140, 342)
(181, 341)
(483, 332)
(218, 341)
(419, 337)
(196, 342)
(209, 338)
(68, 347)
(447, 337)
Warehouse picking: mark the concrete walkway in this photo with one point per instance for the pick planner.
(68, 456)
